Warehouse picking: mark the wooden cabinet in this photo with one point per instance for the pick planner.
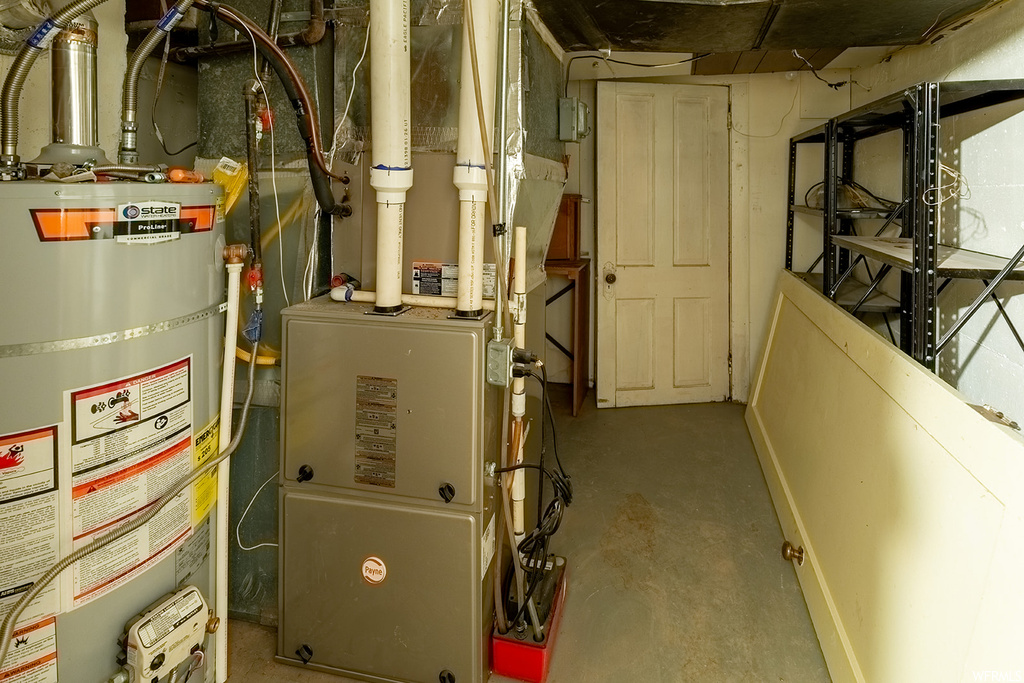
(565, 240)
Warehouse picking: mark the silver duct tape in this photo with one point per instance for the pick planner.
(515, 135)
(423, 139)
(439, 13)
(31, 349)
(434, 139)
(422, 13)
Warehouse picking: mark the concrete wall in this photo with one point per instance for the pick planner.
(984, 361)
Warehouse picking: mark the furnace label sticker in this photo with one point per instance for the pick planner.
(131, 440)
(487, 548)
(32, 657)
(29, 520)
(376, 430)
(442, 279)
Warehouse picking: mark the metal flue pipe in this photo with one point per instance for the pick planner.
(10, 96)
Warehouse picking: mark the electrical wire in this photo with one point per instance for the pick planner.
(782, 121)
(273, 160)
(835, 86)
(348, 103)
(159, 89)
(600, 55)
(132, 525)
(238, 527)
(957, 187)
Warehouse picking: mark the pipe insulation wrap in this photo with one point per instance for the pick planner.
(227, 399)
(10, 96)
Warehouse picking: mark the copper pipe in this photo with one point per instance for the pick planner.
(313, 33)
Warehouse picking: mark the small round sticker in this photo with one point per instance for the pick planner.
(374, 570)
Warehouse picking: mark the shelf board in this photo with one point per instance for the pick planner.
(898, 252)
(843, 213)
(850, 293)
(955, 97)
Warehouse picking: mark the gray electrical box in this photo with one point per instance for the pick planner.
(388, 520)
(573, 119)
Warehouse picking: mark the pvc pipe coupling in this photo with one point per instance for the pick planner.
(472, 183)
(391, 184)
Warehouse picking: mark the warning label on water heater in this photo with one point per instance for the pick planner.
(376, 430)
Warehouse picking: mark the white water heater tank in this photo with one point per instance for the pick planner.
(110, 344)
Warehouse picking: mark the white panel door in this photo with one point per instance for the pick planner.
(662, 244)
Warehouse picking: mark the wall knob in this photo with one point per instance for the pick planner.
(793, 554)
(305, 474)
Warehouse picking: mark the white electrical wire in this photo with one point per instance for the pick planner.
(348, 103)
(273, 165)
(238, 535)
(307, 273)
(957, 187)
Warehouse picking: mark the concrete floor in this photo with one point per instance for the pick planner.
(674, 561)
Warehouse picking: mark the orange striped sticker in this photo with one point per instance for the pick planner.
(67, 225)
(201, 217)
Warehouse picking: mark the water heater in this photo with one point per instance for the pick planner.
(110, 349)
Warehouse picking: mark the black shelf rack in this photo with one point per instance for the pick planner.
(917, 112)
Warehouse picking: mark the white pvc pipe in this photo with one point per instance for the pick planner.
(227, 400)
(518, 308)
(471, 160)
(390, 120)
(366, 297)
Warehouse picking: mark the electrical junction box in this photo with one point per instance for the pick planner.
(388, 516)
(166, 635)
(573, 119)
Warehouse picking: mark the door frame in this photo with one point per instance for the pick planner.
(739, 211)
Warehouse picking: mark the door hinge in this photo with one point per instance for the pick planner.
(728, 116)
(730, 368)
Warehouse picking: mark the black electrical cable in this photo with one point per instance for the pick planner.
(602, 57)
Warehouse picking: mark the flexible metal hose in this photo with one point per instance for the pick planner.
(36, 43)
(107, 169)
(7, 631)
(128, 152)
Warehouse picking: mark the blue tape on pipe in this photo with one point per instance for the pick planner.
(170, 20)
(382, 167)
(44, 34)
(348, 292)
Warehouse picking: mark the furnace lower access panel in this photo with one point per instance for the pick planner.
(388, 519)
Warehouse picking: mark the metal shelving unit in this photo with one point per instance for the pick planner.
(918, 113)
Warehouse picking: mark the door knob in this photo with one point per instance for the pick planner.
(610, 278)
(793, 554)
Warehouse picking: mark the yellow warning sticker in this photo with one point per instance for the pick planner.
(204, 491)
